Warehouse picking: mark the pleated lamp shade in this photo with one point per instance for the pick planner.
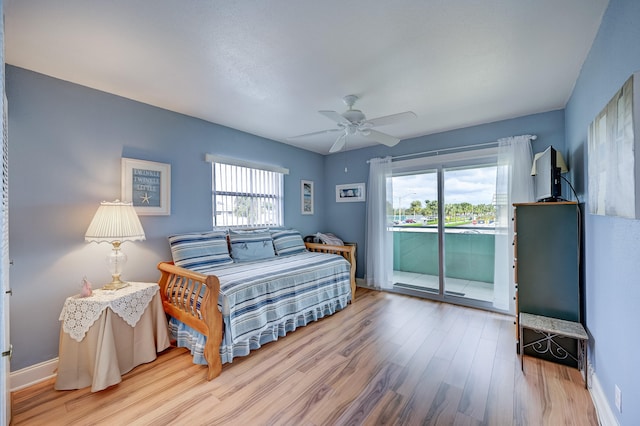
(115, 221)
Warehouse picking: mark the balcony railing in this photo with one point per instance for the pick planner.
(469, 251)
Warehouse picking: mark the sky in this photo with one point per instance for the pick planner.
(475, 186)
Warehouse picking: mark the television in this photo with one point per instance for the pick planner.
(546, 169)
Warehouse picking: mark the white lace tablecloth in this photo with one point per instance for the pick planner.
(129, 303)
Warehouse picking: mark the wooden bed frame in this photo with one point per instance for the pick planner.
(180, 289)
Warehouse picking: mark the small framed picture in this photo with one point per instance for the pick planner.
(306, 195)
(350, 192)
(147, 185)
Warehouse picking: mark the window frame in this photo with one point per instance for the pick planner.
(439, 164)
(259, 183)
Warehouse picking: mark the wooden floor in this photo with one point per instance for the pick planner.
(386, 359)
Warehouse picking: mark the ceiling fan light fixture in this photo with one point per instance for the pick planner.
(354, 115)
(365, 132)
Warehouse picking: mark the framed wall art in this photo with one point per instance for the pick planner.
(613, 140)
(350, 192)
(147, 185)
(306, 195)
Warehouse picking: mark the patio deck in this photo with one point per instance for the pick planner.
(475, 290)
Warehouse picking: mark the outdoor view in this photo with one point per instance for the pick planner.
(470, 198)
(244, 196)
(469, 229)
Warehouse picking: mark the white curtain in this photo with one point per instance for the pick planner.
(514, 184)
(379, 240)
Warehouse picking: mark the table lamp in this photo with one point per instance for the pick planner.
(115, 222)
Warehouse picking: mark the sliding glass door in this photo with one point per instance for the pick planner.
(416, 262)
(469, 232)
(444, 227)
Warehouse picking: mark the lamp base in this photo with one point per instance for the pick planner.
(116, 284)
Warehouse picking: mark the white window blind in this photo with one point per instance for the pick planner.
(246, 196)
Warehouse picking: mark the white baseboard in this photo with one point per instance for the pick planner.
(603, 409)
(33, 374)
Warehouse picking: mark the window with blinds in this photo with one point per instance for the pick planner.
(247, 196)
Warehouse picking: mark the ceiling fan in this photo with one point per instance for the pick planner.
(353, 121)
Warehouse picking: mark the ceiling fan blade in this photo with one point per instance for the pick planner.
(392, 119)
(339, 143)
(321, 132)
(334, 116)
(383, 138)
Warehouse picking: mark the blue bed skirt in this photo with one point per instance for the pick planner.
(187, 337)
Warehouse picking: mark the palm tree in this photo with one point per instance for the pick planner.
(415, 207)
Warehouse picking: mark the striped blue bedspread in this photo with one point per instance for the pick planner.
(263, 300)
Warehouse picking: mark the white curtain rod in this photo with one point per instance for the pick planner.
(438, 151)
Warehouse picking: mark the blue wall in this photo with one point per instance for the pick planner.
(66, 142)
(612, 245)
(348, 221)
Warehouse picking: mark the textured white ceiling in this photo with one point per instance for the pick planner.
(267, 67)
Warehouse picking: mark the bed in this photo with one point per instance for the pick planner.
(232, 309)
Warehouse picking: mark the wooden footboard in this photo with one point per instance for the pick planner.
(180, 289)
(346, 251)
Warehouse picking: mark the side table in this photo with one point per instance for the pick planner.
(550, 328)
(109, 333)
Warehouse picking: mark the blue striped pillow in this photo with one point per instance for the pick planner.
(251, 245)
(288, 241)
(200, 251)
